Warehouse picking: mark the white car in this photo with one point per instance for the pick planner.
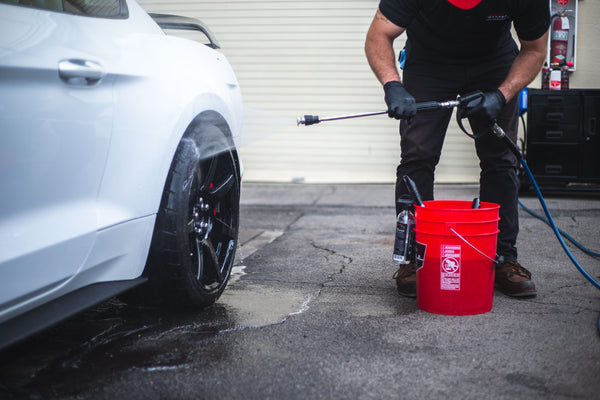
(118, 161)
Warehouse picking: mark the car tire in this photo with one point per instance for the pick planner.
(196, 231)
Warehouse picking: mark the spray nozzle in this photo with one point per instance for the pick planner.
(308, 120)
(412, 188)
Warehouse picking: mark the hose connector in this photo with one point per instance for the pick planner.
(497, 130)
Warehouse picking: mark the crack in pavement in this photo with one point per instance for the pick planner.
(346, 262)
(257, 242)
(332, 190)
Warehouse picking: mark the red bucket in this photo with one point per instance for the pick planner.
(456, 246)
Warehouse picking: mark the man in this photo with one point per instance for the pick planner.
(455, 47)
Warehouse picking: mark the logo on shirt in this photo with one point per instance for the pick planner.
(497, 17)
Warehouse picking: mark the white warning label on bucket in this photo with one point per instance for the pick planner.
(450, 267)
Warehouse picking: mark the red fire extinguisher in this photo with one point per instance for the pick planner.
(560, 39)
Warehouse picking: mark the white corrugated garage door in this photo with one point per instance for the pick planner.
(306, 57)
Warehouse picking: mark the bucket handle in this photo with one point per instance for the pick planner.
(495, 261)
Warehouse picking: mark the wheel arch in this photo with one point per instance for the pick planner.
(207, 125)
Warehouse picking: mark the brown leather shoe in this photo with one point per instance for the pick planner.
(514, 280)
(406, 280)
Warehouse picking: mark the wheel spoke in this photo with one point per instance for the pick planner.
(209, 175)
(200, 262)
(222, 189)
(214, 258)
(223, 230)
(228, 257)
(189, 227)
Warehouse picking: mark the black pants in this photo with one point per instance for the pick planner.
(422, 138)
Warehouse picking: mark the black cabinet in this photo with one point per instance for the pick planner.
(562, 145)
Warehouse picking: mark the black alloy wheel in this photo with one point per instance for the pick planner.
(196, 231)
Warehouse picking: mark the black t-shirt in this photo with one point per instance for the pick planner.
(438, 31)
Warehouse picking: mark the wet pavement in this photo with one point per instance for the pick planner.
(312, 312)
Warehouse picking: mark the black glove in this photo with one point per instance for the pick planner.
(484, 109)
(401, 105)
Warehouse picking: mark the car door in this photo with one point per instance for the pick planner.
(56, 111)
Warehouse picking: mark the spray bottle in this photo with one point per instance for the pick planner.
(555, 75)
(546, 76)
(404, 246)
(564, 75)
(405, 232)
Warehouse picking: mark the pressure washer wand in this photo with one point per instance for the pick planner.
(315, 119)
(425, 106)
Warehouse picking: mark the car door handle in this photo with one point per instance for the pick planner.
(80, 72)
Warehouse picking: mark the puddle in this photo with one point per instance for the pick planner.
(254, 306)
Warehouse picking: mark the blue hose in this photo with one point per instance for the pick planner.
(499, 132)
(555, 228)
(557, 232)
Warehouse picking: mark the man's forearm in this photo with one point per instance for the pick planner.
(525, 67)
(382, 59)
(379, 48)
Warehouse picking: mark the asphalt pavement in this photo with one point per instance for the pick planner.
(312, 312)
(351, 335)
